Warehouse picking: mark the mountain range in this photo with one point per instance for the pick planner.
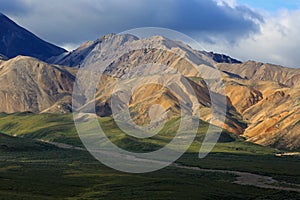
(263, 104)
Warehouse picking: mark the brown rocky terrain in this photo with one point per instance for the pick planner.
(27, 84)
(263, 102)
(271, 110)
(263, 96)
(265, 72)
(168, 67)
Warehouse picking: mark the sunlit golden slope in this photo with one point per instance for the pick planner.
(268, 98)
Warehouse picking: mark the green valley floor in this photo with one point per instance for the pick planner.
(33, 169)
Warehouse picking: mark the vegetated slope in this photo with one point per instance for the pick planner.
(13, 144)
(61, 128)
(27, 84)
(75, 173)
(16, 40)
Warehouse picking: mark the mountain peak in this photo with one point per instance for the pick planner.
(221, 58)
(76, 57)
(114, 36)
(113, 41)
(107, 36)
(15, 40)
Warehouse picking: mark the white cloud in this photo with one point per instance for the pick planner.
(277, 42)
(231, 3)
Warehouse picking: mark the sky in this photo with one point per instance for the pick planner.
(261, 30)
(272, 5)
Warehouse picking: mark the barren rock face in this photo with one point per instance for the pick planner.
(274, 120)
(267, 96)
(263, 101)
(27, 84)
(262, 98)
(77, 57)
(162, 61)
(265, 72)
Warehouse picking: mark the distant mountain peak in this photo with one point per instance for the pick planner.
(221, 58)
(107, 36)
(77, 56)
(15, 40)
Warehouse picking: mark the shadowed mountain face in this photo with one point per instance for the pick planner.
(221, 58)
(15, 40)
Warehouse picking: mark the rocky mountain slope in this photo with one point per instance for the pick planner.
(27, 84)
(263, 99)
(15, 40)
(267, 96)
(263, 104)
(76, 57)
(252, 70)
(173, 60)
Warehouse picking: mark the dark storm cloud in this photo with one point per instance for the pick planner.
(74, 21)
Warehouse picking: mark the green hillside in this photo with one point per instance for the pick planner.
(46, 172)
